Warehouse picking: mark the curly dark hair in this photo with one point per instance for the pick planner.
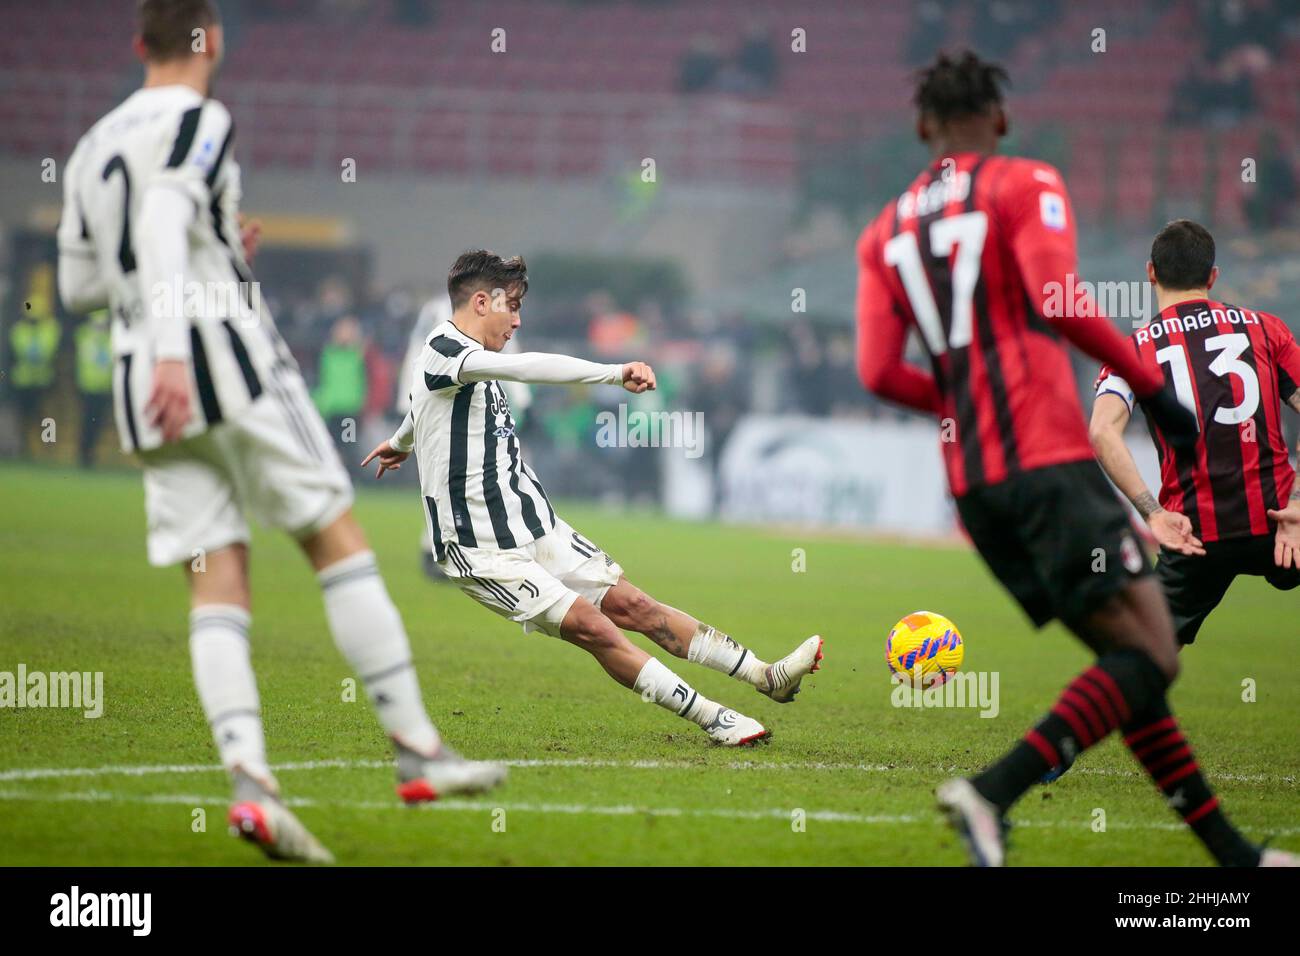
(957, 86)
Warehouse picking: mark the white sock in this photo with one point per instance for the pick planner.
(712, 648)
(656, 682)
(368, 631)
(223, 674)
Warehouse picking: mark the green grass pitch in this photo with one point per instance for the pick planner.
(597, 776)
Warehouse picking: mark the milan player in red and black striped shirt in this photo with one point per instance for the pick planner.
(974, 255)
(1231, 504)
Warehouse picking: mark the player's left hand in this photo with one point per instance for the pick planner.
(250, 233)
(638, 377)
(1174, 532)
(389, 458)
(1286, 544)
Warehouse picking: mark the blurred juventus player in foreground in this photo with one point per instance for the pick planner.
(495, 533)
(1231, 504)
(208, 397)
(969, 254)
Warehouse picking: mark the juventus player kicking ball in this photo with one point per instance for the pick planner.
(495, 533)
(208, 398)
(970, 254)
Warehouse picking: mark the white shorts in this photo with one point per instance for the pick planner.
(275, 461)
(538, 583)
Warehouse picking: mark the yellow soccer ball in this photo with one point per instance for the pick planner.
(924, 644)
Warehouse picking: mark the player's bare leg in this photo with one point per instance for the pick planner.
(369, 632)
(587, 627)
(683, 636)
(1124, 690)
(223, 674)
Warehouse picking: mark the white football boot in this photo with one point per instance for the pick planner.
(732, 729)
(1278, 858)
(259, 817)
(781, 678)
(421, 779)
(976, 820)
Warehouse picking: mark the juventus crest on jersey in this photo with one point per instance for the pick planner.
(478, 492)
(171, 137)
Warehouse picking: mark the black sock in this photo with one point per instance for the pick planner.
(1098, 701)
(1156, 741)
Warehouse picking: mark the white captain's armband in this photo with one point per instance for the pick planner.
(1110, 383)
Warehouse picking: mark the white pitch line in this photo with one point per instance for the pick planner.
(577, 809)
(618, 810)
(44, 773)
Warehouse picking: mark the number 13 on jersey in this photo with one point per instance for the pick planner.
(1228, 362)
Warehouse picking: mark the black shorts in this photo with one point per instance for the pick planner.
(1057, 538)
(1194, 584)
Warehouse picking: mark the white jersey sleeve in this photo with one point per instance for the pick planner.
(537, 368)
(165, 219)
(81, 285)
(403, 439)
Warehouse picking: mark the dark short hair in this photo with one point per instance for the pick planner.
(167, 26)
(480, 269)
(1183, 255)
(953, 87)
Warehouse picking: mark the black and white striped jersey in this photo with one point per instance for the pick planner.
(478, 491)
(208, 312)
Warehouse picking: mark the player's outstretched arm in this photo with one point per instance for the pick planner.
(1110, 416)
(544, 368)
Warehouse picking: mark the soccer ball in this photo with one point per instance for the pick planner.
(924, 644)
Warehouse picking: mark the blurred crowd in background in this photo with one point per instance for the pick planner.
(350, 337)
(351, 350)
